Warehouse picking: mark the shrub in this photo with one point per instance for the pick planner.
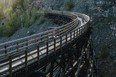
(110, 18)
(68, 5)
(11, 25)
(42, 14)
(42, 19)
(8, 12)
(20, 15)
(33, 15)
(1, 31)
(18, 4)
(104, 52)
(26, 19)
(1, 14)
(8, 30)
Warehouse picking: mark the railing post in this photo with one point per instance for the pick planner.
(17, 47)
(61, 42)
(54, 44)
(47, 48)
(10, 66)
(83, 29)
(38, 50)
(5, 47)
(26, 56)
(38, 53)
(74, 34)
(70, 36)
(66, 39)
(52, 69)
(79, 31)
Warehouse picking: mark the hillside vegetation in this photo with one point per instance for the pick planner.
(18, 13)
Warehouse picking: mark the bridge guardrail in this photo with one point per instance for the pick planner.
(20, 53)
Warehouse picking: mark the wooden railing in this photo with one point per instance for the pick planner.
(20, 53)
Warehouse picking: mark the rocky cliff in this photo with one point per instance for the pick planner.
(103, 22)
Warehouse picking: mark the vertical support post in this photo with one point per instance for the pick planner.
(38, 53)
(5, 47)
(47, 48)
(10, 66)
(60, 42)
(17, 47)
(54, 45)
(26, 55)
(79, 31)
(85, 28)
(74, 34)
(63, 64)
(70, 36)
(38, 50)
(82, 30)
(66, 39)
(44, 68)
(51, 69)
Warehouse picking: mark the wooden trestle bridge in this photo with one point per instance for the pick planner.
(65, 51)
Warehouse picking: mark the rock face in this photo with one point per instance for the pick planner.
(103, 21)
(54, 4)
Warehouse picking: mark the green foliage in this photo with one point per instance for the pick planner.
(42, 14)
(104, 52)
(103, 23)
(18, 4)
(1, 15)
(8, 11)
(110, 18)
(26, 19)
(42, 19)
(16, 21)
(11, 26)
(29, 17)
(33, 15)
(20, 14)
(68, 5)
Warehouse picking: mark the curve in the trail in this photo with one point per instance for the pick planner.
(15, 54)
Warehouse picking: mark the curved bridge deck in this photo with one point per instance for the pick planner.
(38, 49)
